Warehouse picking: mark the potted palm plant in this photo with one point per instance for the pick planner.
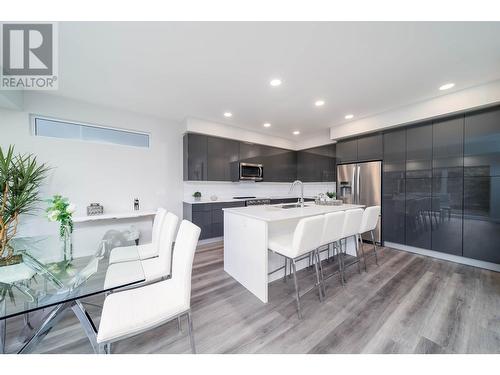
(20, 179)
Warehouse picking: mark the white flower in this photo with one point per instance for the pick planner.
(53, 215)
(71, 208)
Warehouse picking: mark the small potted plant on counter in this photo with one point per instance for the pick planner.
(331, 194)
(197, 196)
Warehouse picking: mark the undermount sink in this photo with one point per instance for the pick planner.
(292, 205)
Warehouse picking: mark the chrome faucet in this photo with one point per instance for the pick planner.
(301, 199)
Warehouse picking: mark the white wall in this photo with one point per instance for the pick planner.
(474, 97)
(87, 172)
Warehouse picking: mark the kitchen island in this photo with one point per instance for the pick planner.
(246, 233)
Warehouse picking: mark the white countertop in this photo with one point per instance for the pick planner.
(120, 215)
(276, 213)
(225, 200)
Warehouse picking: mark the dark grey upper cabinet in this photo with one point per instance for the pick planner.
(280, 165)
(482, 218)
(195, 157)
(221, 153)
(482, 143)
(418, 212)
(347, 151)
(370, 147)
(253, 153)
(419, 151)
(395, 154)
(447, 214)
(447, 147)
(316, 164)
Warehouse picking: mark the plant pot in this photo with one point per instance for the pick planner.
(14, 259)
(197, 199)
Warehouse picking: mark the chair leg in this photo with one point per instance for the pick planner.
(374, 247)
(297, 297)
(104, 348)
(191, 334)
(318, 281)
(341, 264)
(179, 325)
(321, 274)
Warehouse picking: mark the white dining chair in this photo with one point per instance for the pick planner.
(131, 312)
(154, 269)
(368, 224)
(145, 251)
(305, 239)
(332, 234)
(352, 223)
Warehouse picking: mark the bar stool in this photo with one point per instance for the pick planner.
(305, 239)
(368, 224)
(352, 223)
(332, 233)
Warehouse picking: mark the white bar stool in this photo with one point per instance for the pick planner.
(148, 250)
(333, 230)
(304, 240)
(368, 224)
(352, 223)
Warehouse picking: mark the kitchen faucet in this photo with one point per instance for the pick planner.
(301, 199)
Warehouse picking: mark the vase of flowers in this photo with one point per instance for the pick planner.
(61, 209)
(20, 179)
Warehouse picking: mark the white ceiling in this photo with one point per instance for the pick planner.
(178, 70)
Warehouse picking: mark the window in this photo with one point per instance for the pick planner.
(47, 127)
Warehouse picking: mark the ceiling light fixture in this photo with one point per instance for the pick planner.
(267, 125)
(296, 132)
(228, 114)
(275, 82)
(349, 116)
(447, 86)
(319, 103)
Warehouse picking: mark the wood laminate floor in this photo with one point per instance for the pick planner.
(407, 304)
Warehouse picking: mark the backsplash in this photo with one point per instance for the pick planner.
(258, 189)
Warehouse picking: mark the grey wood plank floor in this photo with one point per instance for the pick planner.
(407, 304)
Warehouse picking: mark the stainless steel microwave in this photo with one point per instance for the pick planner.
(251, 172)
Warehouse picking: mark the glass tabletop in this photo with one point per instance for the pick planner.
(45, 279)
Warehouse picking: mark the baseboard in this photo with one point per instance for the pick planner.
(452, 258)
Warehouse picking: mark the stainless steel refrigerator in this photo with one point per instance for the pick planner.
(361, 183)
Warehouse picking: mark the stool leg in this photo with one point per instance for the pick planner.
(341, 263)
(284, 277)
(318, 282)
(321, 273)
(357, 253)
(297, 297)
(374, 247)
(360, 240)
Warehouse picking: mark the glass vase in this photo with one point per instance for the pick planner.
(67, 243)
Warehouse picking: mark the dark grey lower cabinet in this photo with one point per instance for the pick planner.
(393, 210)
(209, 217)
(482, 218)
(418, 212)
(446, 215)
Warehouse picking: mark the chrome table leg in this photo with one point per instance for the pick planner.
(87, 324)
(3, 335)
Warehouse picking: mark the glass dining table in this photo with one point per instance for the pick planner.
(44, 285)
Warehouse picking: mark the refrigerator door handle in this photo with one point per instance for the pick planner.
(358, 176)
(353, 184)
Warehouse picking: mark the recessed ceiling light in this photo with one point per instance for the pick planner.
(296, 132)
(447, 86)
(267, 125)
(349, 116)
(319, 103)
(275, 82)
(228, 114)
